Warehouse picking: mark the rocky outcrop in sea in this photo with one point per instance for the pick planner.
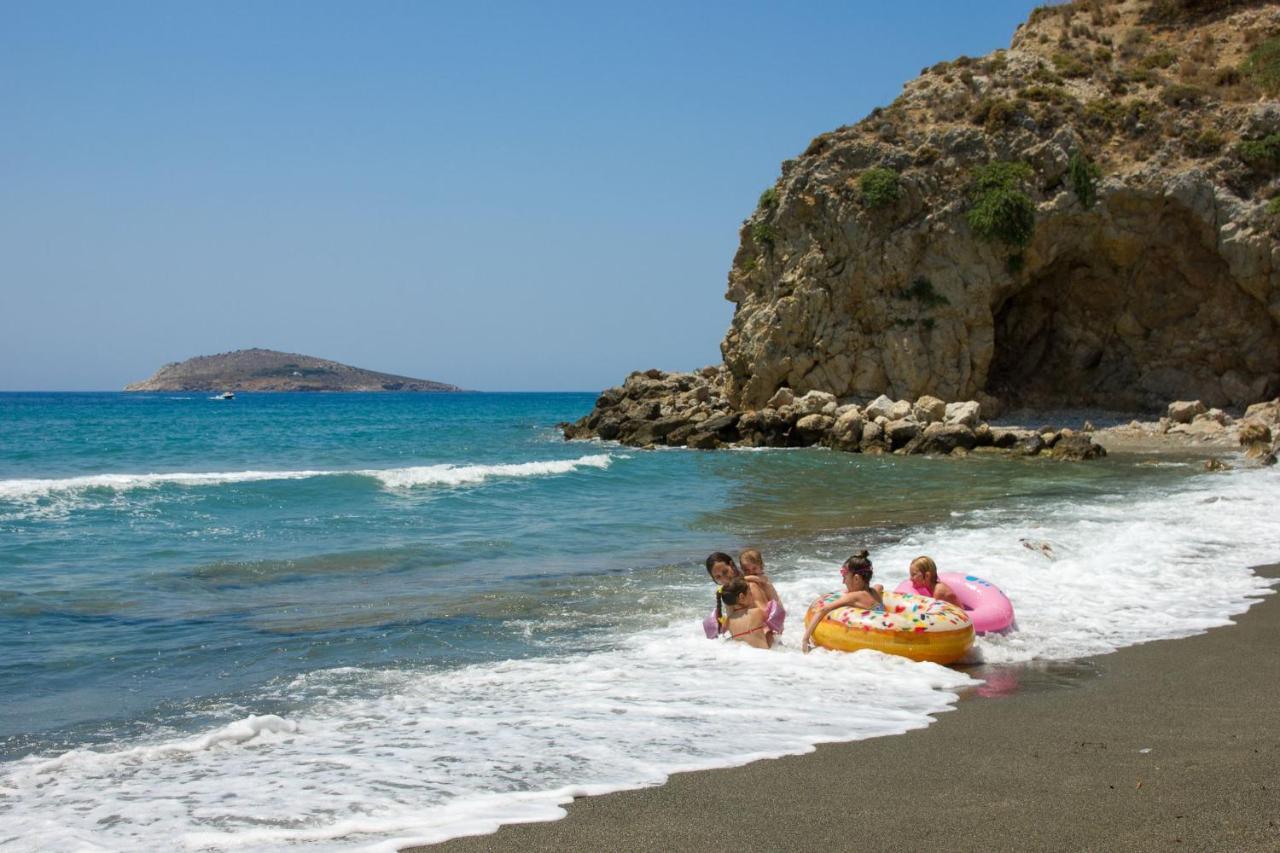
(271, 370)
(1088, 218)
(654, 408)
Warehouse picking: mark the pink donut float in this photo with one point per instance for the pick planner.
(986, 605)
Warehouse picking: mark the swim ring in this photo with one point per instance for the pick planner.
(913, 626)
(988, 607)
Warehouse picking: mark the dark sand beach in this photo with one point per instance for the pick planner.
(1172, 745)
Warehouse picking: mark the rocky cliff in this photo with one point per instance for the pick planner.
(269, 370)
(1090, 217)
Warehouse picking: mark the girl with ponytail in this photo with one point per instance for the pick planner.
(859, 592)
(746, 622)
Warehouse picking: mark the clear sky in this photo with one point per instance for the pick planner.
(537, 196)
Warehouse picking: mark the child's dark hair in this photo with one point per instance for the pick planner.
(859, 564)
(735, 590)
(720, 557)
(730, 594)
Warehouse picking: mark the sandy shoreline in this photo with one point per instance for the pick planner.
(1169, 745)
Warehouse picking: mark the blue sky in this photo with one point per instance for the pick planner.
(537, 196)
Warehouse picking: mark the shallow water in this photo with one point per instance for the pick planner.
(354, 620)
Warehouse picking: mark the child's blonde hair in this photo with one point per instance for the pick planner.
(927, 566)
(752, 556)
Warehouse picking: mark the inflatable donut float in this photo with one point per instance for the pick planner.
(913, 626)
(988, 608)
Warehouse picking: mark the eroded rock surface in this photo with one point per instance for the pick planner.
(1157, 276)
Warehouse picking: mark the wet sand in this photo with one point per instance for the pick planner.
(1173, 745)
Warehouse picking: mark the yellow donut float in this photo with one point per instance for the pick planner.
(913, 626)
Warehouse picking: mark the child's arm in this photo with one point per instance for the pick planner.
(945, 593)
(842, 601)
(760, 589)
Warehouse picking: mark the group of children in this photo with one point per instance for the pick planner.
(749, 610)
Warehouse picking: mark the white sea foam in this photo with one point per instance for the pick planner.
(461, 475)
(25, 490)
(427, 755)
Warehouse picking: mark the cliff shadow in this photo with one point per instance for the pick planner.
(1136, 308)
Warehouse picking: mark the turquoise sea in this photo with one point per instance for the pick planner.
(359, 620)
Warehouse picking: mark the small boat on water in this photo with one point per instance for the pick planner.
(226, 395)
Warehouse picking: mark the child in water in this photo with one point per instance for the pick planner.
(924, 577)
(752, 563)
(745, 621)
(724, 571)
(859, 592)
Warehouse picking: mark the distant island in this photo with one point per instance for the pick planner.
(269, 370)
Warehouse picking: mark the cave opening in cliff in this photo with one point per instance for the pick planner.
(1131, 318)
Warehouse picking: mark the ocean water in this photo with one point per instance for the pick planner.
(361, 621)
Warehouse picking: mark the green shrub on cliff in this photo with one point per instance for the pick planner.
(1263, 155)
(1070, 65)
(1263, 65)
(921, 290)
(1162, 58)
(1273, 206)
(1083, 174)
(879, 186)
(993, 114)
(1182, 95)
(1000, 209)
(762, 233)
(769, 198)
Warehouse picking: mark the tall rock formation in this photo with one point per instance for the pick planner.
(1089, 217)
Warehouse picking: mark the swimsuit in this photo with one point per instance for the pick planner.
(749, 631)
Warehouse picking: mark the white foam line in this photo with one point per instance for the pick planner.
(451, 475)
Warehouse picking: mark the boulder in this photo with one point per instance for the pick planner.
(872, 437)
(928, 410)
(846, 432)
(1266, 413)
(945, 438)
(1028, 444)
(813, 428)
(1184, 411)
(1254, 432)
(609, 398)
(782, 397)
(651, 432)
(900, 432)
(966, 413)
(815, 402)
(1005, 438)
(679, 436)
(1204, 428)
(1076, 447)
(878, 408)
(704, 441)
(725, 426)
